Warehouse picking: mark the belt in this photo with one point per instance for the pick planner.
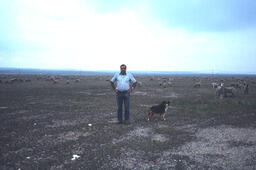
(126, 91)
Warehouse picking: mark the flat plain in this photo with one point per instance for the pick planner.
(69, 122)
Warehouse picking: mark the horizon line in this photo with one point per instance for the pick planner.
(138, 71)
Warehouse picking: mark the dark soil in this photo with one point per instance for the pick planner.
(46, 121)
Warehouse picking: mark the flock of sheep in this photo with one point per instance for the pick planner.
(221, 90)
(13, 80)
(52, 79)
(227, 91)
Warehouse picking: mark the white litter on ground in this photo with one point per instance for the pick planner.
(75, 157)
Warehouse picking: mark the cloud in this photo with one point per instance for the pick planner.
(75, 35)
(210, 15)
(193, 15)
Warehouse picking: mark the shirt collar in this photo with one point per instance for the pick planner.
(122, 74)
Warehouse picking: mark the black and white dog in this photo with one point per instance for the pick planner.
(159, 109)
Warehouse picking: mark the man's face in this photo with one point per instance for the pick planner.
(123, 69)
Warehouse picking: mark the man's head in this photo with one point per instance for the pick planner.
(123, 69)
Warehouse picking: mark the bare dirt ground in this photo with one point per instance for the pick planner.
(69, 122)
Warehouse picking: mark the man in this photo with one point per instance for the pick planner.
(123, 90)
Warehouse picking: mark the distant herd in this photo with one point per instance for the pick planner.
(225, 91)
(53, 79)
(221, 90)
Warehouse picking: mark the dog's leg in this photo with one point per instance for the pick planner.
(149, 115)
(164, 116)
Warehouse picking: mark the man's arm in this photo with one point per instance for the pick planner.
(132, 87)
(134, 83)
(113, 86)
(112, 83)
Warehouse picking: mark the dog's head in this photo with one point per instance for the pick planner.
(166, 103)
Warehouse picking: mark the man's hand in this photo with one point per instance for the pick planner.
(115, 90)
(130, 90)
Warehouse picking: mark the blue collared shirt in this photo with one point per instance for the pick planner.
(123, 81)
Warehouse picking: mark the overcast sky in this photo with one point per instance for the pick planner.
(153, 35)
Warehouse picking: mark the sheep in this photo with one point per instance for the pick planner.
(222, 91)
(165, 83)
(13, 80)
(169, 84)
(229, 90)
(55, 81)
(235, 85)
(50, 78)
(77, 80)
(139, 83)
(197, 84)
(246, 89)
(214, 85)
(20, 80)
(219, 93)
(238, 86)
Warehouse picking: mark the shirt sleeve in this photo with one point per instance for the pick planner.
(114, 78)
(132, 78)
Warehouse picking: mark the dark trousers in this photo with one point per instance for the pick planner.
(123, 98)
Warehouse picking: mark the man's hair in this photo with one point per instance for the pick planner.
(123, 65)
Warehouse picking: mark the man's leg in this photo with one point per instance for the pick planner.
(119, 100)
(127, 106)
